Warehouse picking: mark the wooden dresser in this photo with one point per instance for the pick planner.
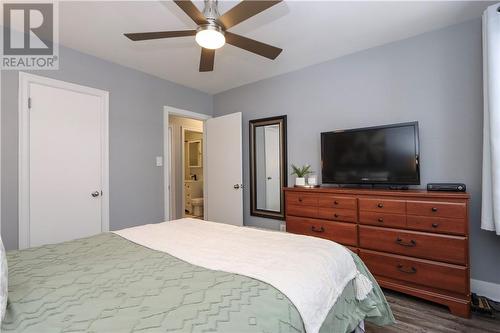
(412, 241)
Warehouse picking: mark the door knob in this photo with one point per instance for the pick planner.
(95, 194)
(236, 186)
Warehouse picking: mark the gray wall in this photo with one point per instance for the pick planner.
(434, 78)
(136, 132)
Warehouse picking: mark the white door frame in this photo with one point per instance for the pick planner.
(172, 111)
(24, 186)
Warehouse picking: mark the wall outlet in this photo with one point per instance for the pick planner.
(283, 227)
(159, 161)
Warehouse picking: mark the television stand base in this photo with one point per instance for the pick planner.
(392, 187)
(355, 186)
(370, 186)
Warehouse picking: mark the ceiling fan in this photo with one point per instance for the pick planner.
(212, 33)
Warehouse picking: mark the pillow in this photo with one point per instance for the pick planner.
(3, 281)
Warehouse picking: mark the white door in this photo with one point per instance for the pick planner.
(272, 155)
(65, 164)
(224, 193)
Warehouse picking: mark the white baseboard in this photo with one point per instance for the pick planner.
(484, 288)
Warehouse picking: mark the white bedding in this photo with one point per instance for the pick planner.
(310, 271)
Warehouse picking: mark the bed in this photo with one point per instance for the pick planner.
(170, 277)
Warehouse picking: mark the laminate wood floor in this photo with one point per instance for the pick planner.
(415, 316)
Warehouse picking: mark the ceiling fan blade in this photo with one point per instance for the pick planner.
(159, 34)
(192, 11)
(254, 46)
(245, 10)
(207, 60)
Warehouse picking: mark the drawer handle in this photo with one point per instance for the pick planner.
(321, 229)
(412, 269)
(335, 202)
(381, 220)
(435, 225)
(380, 205)
(434, 209)
(412, 243)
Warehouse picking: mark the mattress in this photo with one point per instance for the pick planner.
(106, 283)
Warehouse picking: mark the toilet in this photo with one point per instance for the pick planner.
(197, 204)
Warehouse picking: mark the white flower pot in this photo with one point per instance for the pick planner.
(300, 181)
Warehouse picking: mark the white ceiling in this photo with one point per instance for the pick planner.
(310, 32)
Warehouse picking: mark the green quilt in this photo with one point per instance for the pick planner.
(106, 284)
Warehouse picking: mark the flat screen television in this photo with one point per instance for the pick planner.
(373, 155)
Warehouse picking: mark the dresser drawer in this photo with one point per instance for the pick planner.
(437, 224)
(343, 233)
(382, 205)
(450, 249)
(337, 202)
(304, 211)
(382, 219)
(423, 272)
(437, 209)
(336, 214)
(302, 199)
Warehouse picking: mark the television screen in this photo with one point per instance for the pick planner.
(374, 155)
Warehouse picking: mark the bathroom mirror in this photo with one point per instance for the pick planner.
(194, 153)
(268, 165)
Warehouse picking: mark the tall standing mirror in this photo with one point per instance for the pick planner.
(268, 166)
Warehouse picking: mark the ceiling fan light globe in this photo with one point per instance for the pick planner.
(210, 38)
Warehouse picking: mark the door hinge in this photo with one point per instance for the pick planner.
(29, 102)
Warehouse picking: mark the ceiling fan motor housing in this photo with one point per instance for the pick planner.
(211, 12)
(210, 26)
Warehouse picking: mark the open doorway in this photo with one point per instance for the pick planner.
(222, 166)
(192, 168)
(187, 167)
(184, 172)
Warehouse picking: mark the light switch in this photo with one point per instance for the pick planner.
(159, 161)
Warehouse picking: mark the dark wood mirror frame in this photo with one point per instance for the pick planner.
(253, 124)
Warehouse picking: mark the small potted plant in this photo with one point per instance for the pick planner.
(301, 173)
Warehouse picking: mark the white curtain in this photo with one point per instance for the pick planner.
(490, 211)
